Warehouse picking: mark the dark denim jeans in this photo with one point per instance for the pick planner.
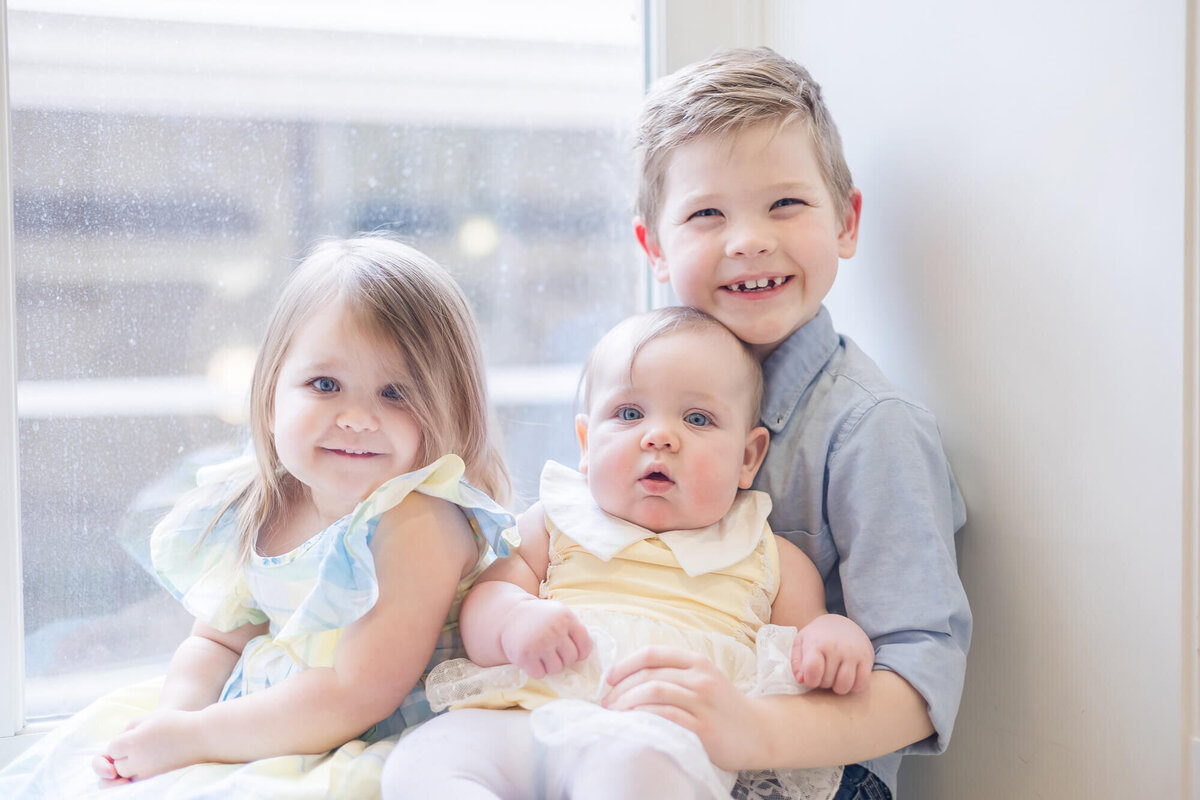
(858, 783)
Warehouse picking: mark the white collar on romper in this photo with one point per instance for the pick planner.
(569, 504)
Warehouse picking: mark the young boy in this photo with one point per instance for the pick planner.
(745, 206)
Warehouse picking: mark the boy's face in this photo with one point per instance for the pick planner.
(749, 232)
(666, 444)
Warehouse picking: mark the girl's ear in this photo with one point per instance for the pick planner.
(649, 243)
(581, 422)
(756, 450)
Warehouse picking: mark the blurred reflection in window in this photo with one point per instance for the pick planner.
(173, 160)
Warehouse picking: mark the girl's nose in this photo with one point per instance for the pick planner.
(660, 437)
(357, 418)
(749, 238)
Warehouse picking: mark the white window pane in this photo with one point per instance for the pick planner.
(171, 162)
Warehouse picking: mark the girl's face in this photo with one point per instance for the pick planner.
(340, 420)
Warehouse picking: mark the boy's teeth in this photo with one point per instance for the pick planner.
(761, 283)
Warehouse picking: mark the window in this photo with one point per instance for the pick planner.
(172, 160)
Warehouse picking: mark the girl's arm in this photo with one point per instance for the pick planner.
(503, 621)
(201, 665)
(421, 549)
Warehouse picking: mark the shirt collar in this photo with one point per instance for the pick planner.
(793, 366)
(569, 505)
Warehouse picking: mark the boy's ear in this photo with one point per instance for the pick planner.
(848, 238)
(756, 450)
(649, 243)
(581, 422)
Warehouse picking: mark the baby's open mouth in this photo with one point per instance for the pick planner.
(759, 285)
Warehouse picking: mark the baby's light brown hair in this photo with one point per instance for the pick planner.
(625, 340)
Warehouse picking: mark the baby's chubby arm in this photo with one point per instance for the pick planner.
(503, 621)
(421, 550)
(830, 650)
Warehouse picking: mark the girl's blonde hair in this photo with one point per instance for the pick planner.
(398, 295)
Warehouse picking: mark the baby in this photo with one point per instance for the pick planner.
(655, 541)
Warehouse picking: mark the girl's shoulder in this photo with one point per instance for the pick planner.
(442, 481)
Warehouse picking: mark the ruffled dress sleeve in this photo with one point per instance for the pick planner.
(200, 566)
(345, 585)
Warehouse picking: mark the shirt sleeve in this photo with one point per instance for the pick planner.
(893, 507)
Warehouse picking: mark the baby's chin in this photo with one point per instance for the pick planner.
(661, 523)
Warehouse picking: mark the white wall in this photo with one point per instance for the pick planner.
(1021, 268)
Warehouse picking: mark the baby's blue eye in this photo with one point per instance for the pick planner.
(325, 385)
(697, 419)
(628, 414)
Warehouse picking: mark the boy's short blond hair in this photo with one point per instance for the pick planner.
(724, 94)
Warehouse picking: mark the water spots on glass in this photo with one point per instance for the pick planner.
(152, 239)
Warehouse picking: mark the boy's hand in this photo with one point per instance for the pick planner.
(156, 743)
(687, 689)
(831, 652)
(543, 637)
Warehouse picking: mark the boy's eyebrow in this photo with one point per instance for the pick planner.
(708, 197)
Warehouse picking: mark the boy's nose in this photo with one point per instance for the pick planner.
(747, 240)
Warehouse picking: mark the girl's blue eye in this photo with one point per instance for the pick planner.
(628, 414)
(325, 385)
(697, 419)
(393, 393)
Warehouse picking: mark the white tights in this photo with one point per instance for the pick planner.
(481, 753)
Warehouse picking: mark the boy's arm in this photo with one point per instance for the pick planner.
(892, 509)
(503, 621)
(816, 729)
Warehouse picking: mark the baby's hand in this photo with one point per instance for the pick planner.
(831, 652)
(543, 637)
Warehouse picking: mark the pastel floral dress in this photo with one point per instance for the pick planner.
(307, 596)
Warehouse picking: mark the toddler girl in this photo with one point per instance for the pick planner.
(653, 544)
(326, 571)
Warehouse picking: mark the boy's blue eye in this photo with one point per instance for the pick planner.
(627, 414)
(697, 419)
(707, 212)
(788, 201)
(325, 385)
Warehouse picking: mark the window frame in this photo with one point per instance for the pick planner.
(676, 32)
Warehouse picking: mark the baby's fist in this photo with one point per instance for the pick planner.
(831, 652)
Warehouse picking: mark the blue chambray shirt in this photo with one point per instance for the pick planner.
(860, 483)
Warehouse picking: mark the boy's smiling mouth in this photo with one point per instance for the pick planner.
(757, 285)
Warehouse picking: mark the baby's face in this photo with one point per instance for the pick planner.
(667, 444)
